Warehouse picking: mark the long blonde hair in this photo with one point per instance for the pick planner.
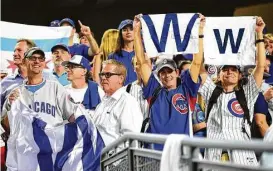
(109, 42)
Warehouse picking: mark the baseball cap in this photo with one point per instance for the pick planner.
(165, 63)
(125, 23)
(188, 56)
(55, 23)
(223, 66)
(78, 60)
(61, 46)
(34, 50)
(67, 20)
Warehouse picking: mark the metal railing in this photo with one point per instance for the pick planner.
(126, 153)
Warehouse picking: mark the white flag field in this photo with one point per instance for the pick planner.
(227, 40)
(44, 37)
(170, 33)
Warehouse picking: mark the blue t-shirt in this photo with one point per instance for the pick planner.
(261, 107)
(126, 59)
(62, 78)
(79, 49)
(169, 113)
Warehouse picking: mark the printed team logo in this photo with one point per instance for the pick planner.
(212, 69)
(235, 108)
(198, 115)
(179, 103)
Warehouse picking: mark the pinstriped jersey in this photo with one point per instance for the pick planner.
(137, 92)
(226, 116)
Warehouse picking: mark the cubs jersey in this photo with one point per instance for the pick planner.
(49, 99)
(226, 119)
(170, 111)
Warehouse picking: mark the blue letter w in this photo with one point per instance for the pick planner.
(161, 45)
(234, 46)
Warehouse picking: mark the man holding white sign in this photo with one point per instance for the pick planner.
(171, 110)
(230, 104)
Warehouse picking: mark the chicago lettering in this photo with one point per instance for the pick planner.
(42, 107)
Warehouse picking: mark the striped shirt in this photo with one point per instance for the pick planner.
(137, 92)
(226, 118)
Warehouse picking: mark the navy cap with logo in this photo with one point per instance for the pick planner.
(78, 60)
(55, 23)
(34, 50)
(67, 20)
(165, 63)
(61, 46)
(125, 23)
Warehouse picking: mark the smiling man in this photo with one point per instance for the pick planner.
(47, 98)
(118, 111)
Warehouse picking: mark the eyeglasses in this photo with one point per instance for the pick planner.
(34, 58)
(107, 74)
(70, 67)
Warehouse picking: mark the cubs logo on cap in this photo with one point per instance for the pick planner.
(235, 108)
(212, 69)
(179, 103)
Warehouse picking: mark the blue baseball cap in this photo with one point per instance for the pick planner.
(78, 60)
(67, 20)
(55, 23)
(188, 56)
(125, 23)
(61, 46)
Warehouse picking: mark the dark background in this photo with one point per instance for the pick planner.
(101, 15)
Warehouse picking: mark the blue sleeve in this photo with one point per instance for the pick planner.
(189, 83)
(261, 105)
(149, 89)
(84, 50)
(111, 56)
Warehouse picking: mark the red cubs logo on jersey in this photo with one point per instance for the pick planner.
(179, 103)
(235, 108)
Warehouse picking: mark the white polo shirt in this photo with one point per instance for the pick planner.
(117, 114)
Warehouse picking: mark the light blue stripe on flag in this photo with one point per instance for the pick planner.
(7, 44)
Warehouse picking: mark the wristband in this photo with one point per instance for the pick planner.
(201, 36)
(259, 40)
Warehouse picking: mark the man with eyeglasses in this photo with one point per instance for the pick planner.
(10, 82)
(46, 97)
(118, 111)
(60, 53)
(82, 90)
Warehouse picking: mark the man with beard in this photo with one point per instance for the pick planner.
(60, 53)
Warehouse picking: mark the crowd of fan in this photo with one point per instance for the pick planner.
(123, 89)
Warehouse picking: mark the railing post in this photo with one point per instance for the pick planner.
(130, 156)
